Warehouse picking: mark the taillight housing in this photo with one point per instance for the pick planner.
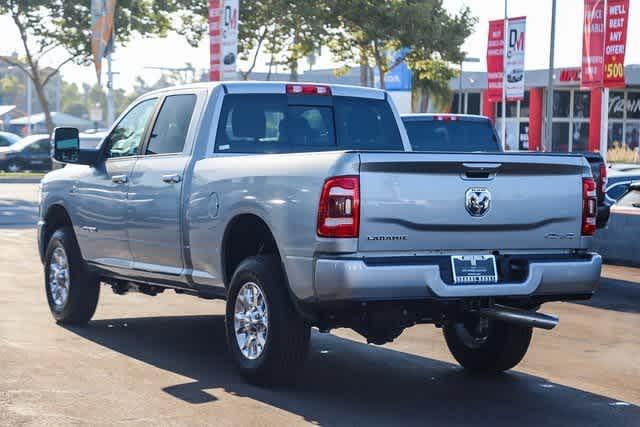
(589, 207)
(339, 210)
(603, 178)
(304, 89)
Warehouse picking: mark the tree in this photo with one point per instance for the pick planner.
(385, 33)
(45, 26)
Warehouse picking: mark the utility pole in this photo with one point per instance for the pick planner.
(110, 104)
(505, 30)
(548, 130)
(29, 111)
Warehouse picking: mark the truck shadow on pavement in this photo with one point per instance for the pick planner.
(616, 295)
(345, 382)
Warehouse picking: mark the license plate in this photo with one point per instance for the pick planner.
(474, 269)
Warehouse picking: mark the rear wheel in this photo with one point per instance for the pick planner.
(487, 345)
(15, 166)
(72, 292)
(268, 341)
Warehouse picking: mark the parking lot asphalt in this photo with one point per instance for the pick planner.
(163, 361)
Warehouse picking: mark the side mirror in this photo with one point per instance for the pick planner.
(66, 147)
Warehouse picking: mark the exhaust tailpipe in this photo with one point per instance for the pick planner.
(519, 316)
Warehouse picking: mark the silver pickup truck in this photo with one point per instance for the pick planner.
(303, 206)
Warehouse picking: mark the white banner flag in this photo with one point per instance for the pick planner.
(514, 67)
(230, 13)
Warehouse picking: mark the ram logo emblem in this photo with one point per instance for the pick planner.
(477, 201)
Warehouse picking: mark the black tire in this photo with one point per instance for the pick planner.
(83, 288)
(287, 339)
(503, 347)
(15, 166)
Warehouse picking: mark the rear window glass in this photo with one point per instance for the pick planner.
(274, 124)
(451, 135)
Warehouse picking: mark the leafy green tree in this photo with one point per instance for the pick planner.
(385, 33)
(11, 89)
(47, 25)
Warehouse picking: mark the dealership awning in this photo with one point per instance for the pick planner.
(59, 119)
(5, 109)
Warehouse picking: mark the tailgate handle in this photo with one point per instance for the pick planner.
(480, 170)
(482, 167)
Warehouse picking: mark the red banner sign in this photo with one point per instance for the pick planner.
(615, 43)
(215, 40)
(495, 60)
(593, 43)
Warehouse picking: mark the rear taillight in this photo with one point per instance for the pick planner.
(603, 178)
(339, 211)
(446, 118)
(308, 90)
(589, 207)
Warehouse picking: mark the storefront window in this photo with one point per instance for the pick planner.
(614, 135)
(524, 106)
(561, 103)
(523, 143)
(581, 104)
(633, 105)
(512, 109)
(616, 105)
(455, 105)
(560, 139)
(632, 135)
(473, 103)
(580, 137)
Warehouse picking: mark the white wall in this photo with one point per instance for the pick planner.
(402, 99)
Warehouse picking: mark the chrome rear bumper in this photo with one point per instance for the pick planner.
(352, 279)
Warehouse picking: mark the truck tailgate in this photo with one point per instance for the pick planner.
(444, 201)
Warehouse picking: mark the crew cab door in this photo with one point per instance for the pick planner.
(100, 196)
(155, 190)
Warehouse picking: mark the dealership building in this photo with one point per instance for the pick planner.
(577, 112)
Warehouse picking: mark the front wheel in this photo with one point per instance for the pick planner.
(268, 341)
(14, 166)
(71, 291)
(487, 345)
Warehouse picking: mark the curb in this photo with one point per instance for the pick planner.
(20, 180)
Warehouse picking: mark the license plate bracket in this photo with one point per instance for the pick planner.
(474, 269)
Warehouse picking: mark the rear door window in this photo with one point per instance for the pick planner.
(170, 129)
(451, 135)
(276, 124)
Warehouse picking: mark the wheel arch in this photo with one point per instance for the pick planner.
(245, 235)
(55, 218)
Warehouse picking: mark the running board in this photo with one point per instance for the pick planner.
(519, 316)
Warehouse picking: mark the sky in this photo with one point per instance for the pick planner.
(131, 60)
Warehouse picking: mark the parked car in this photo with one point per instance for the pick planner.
(619, 179)
(469, 133)
(629, 202)
(462, 133)
(30, 153)
(302, 205)
(92, 139)
(7, 139)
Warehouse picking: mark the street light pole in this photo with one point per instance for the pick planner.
(548, 130)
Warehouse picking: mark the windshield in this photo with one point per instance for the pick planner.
(289, 124)
(10, 137)
(451, 135)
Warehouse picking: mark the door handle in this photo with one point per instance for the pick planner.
(120, 179)
(171, 179)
